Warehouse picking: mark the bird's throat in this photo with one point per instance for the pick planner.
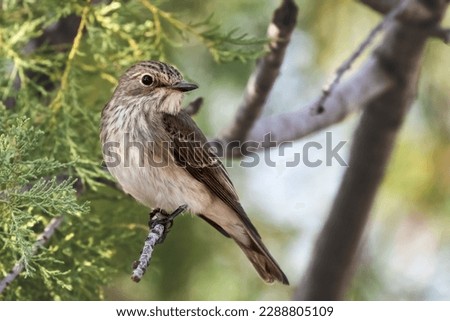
(171, 103)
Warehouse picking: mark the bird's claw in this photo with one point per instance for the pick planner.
(160, 216)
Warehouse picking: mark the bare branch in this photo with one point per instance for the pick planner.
(351, 95)
(267, 69)
(382, 6)
(160, 223)
(414, 13)
(328, 89)
(368, 82)
(140, 266)
(40, 242)
(194, 106)
(399, 54)
(441, 33)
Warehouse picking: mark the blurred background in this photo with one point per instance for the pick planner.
(405, 253)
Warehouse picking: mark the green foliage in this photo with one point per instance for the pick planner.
(110, 38)
(30, 194)
(53, 93)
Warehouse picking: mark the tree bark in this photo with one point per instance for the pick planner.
(264, 75)
(400, 53)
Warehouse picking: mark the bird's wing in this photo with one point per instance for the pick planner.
(190, 150)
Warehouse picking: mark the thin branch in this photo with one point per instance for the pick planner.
(369, 81)
(159, 224)
(355, 92)
(194, 106)
(400, 54)
(56, 104)
(441, 33)
(139, 267)
(60, 33)
(266, 71)
(40, 242)
(328, 89)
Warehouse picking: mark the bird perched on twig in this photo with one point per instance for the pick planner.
(160, 157)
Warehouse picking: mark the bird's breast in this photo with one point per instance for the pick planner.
(142, 163)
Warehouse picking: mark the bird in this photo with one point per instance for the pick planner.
(159, 156)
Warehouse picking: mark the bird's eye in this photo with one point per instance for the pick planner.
(147, 80)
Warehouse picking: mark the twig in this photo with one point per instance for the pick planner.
(441, 33)
(144, 260)
(41, 240)
(56, 104)
(159, 225)
(318, 108)
(194, 106)
(332, 263)
(266, 71)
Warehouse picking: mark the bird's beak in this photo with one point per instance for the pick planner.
(184, 86)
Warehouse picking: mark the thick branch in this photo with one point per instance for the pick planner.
(327, 90)
(267, 69)
(400, 55)
(41, 240)
(415, 12)
(357, 91)
(442, 33)
(382, 6)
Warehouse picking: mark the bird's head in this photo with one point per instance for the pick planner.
(157, 83)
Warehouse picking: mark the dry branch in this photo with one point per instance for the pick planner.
(415, 11)
(41, 240)
(159, 224)
(441, 33)
(353, 94)
(194, 106)
(368, 82)
(266, 71)
(327, 90)
(400, 56)
(140, 266)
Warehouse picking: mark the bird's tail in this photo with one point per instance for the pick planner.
(253, 247)
(242, 231)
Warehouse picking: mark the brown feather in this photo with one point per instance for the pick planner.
(190, 150)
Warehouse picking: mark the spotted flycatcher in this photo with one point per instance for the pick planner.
(169, 163)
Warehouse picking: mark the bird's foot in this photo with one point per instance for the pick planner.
(161, 217)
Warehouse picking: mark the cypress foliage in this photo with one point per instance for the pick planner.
(51, 93)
